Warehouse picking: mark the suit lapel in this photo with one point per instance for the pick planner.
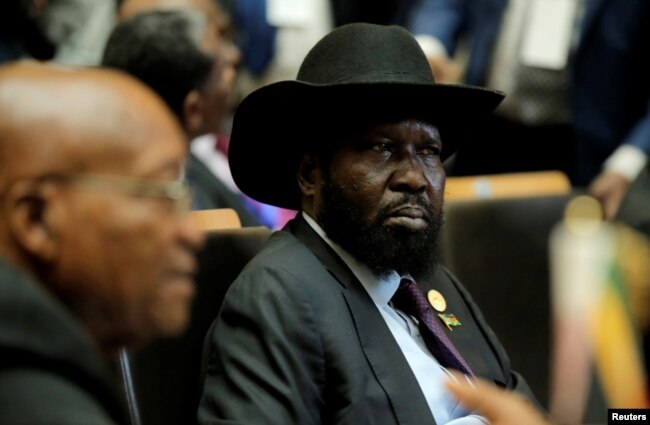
(387, 361)
(382, 352)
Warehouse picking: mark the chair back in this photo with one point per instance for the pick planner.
(499, 250)
(165, 375)
(508, 185)
(217, 218)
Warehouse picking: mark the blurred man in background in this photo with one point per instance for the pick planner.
(181, 54)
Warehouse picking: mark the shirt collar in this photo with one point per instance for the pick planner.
(381, 289)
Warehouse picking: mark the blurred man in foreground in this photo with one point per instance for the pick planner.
(96, 251)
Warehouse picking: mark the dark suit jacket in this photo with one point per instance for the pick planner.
(51, 372)
(610, 90)
(299, 341)
(210, 192)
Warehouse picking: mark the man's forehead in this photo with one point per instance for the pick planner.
(69, 117)
(413, 122)
(372, 125)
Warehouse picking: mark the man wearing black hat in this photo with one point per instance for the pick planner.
(330, 323)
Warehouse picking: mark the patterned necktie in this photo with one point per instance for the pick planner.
(410, 299)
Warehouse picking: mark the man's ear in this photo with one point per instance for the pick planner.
(193, 119)
(30, 218)
(310, 175)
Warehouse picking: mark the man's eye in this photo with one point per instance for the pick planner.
(381, 147)
(430, 151)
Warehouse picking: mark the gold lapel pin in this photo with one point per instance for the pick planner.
(437, 301)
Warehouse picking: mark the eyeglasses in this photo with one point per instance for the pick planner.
(176, 191)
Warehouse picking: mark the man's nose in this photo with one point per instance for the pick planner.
(190, 233)
(409, 175)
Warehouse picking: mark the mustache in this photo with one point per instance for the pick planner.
(408, 199)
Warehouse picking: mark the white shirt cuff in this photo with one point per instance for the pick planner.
(627, 161)
(431, 46)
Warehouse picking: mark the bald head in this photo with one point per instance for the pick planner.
(57, 120)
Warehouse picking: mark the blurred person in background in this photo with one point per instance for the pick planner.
(96, 249)
(20, 33)
(209, 149)
(578, 93)
(181, 55)
(274, 36)
(78, 29)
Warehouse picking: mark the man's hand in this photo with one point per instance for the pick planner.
(500, 407)
(445, 70)
(609, 188)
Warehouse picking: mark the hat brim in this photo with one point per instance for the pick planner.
(268, 136)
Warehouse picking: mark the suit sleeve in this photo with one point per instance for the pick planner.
(265, 362)
(37, 397)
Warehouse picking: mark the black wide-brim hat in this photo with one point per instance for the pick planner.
(359, 71)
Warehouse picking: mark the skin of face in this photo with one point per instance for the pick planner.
(123, 264)
(377, 190)
(375, 169)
